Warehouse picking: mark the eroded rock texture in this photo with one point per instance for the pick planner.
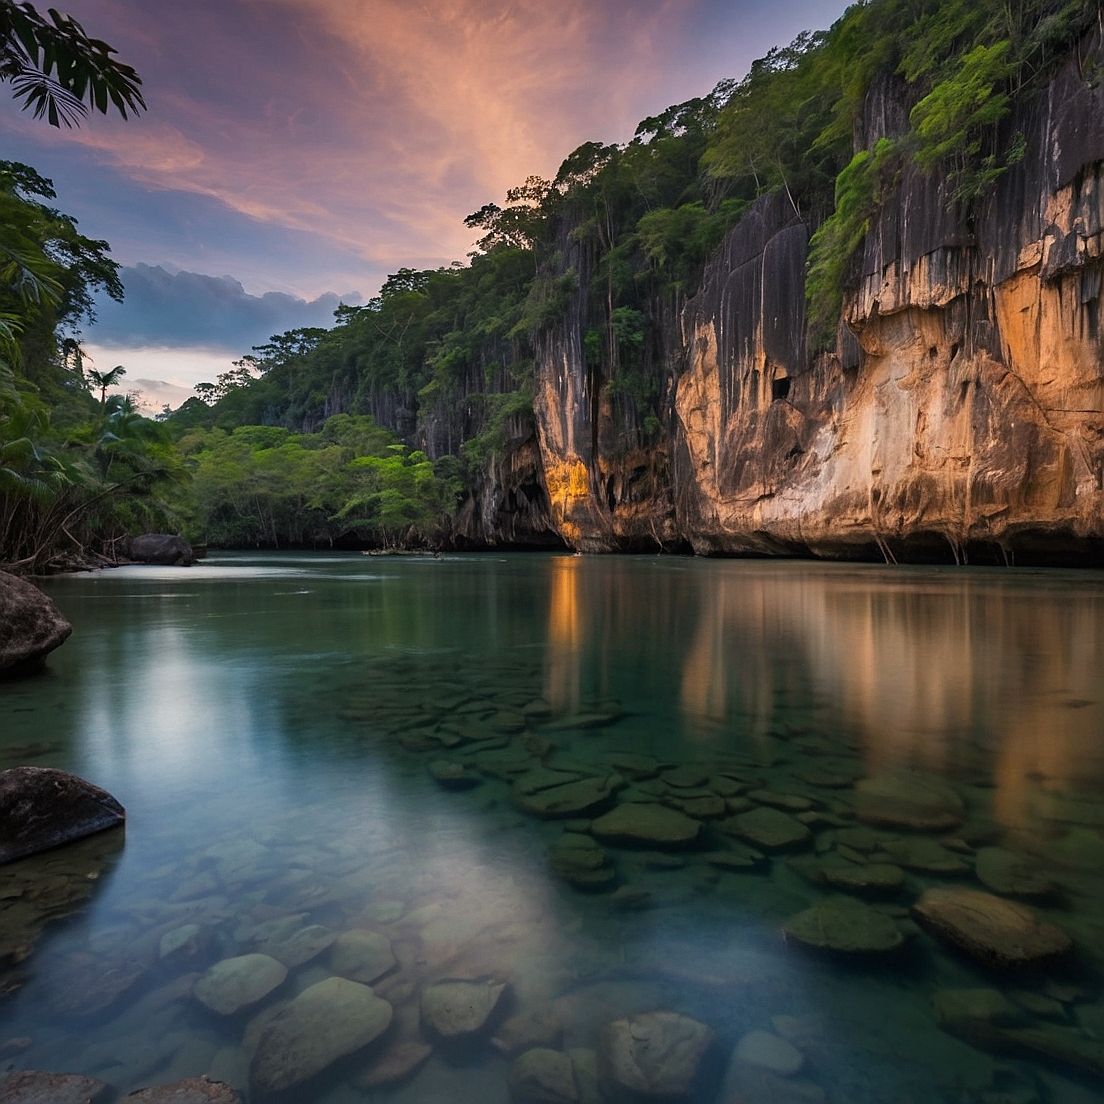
(960, 414)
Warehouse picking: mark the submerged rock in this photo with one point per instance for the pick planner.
(41, 808)
(362, 955)
(577, 859)
(327, 1021)
(588, 795)
(768, 1051)
(35, 1087)
(195, 1090)
(395, 1064)
(458, 1008)
(873, 879)
(31, 626)
(535, 1027)
(543, 1076)
(909, 799)
(654, 1055)
(961, 1011)
(654, 825)
(924, 854)
(771, 829)
(236, 983)
(300, 947)
(453, 775)
(997, 932)
(845, 926)
(1013, 875)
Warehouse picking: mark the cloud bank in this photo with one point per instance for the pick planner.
(190, 310)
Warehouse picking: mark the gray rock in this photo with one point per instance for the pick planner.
(543, 1076)
(924, 854)
(459, 1008)
(299, 947)
(542, 1026)
(236, 983)
(184, 941)
(31, 626)
(34, 1087)
(41, 808)
(195, 1090)
(656, 1055)
(327, 1021)
(997, 932)
(362, 955)
(397, 1062)
(163, 549)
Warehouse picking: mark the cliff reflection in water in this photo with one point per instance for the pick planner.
(993, 676)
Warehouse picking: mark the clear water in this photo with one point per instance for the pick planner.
(263, 720)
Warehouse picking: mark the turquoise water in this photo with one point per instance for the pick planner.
(269, 722)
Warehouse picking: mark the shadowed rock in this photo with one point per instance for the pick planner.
(31, 626)
(33, 1087)
(654, 1056)
(163, 549)
(41, 807)
(195, 1090)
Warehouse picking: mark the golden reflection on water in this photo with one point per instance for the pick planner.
(993, 677)
(564, 660)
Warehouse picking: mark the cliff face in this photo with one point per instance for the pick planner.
(961, 414)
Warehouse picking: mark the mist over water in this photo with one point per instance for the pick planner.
(274, 724)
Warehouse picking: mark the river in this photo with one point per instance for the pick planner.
(269, 722)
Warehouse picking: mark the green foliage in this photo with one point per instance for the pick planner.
(57, 70)
(263, 485)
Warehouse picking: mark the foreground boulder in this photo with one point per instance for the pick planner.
(41, 807)
(327, 1021)
(31, 626)
(163, 549)
(994, 931)
(33, 1087)
(655, 1056)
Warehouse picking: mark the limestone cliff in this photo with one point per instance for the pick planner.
(960, 415)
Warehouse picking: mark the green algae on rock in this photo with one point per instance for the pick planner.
(845, 926)
(651, 825)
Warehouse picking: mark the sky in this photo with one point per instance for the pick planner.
(295, 152)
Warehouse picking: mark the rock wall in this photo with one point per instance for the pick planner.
(961, 415)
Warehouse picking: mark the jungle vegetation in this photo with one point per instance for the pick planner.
(375, 428)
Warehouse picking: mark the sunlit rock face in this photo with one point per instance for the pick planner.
(959, 416)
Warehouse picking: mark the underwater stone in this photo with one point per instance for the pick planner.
(768, 1051)
(655, 1055)
(236, 983)
(535, 1027)
(585, 796)
(871, 878)
(926, 855)
(327, 1021)
(655, 825)
(960, 1010)
(845, 926)
(793, 802)
(997, 932)
(300, 947)
(1011, 874)
(184, 940)
(768, 828)
(42, 808)
(909, 799)
(362, 955)
(543, 1076)
(394, 1064)
(456, 1008)
(686, 777)
(35, 1087)
(579, 860)
(195, 1090)
(452, 775)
